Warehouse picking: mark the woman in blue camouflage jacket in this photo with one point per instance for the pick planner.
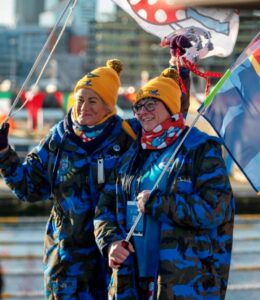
(71, 166)
(181, 247)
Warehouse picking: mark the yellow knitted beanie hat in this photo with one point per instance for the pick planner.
(104, 81)
(165, 88)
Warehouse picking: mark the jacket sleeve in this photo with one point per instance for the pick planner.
(106, 228)
(28, 180)
(206, 203)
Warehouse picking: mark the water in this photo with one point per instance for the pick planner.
(21, 241)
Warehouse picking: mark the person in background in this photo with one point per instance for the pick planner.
(71, 166)
(181, 248)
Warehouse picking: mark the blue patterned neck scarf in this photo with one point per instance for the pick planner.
(88, 133)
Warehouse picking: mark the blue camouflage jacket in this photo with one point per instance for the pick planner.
(196, 217)
(66, 168)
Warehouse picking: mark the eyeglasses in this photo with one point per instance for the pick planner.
(148, 105)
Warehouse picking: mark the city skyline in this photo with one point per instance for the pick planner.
(7, 13)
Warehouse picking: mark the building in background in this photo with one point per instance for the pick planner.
(69, 61)
(21, 44)
(27, 12)
(84, 13)
(8, 52)
(122, 38)
(88, 42)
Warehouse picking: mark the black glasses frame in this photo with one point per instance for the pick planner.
(149, 105)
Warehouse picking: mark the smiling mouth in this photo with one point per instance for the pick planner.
(87, 115)
(147, 120)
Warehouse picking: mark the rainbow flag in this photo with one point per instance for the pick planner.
(233, 109)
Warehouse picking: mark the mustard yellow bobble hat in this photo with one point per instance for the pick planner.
(104, 81)
(165, 88)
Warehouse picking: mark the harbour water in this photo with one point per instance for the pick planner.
(21, 247)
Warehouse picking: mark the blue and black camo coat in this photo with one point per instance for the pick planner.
(196, 217)
(70, 251)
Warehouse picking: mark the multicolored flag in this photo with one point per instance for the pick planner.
(65, 100)
(5, 102)
(34, 102)
(162, 18)
(5, 105)
(234, 112)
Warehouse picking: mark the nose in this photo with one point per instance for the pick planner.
(142, 109)
(85, 105)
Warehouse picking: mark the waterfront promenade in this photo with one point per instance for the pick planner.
(21, 240)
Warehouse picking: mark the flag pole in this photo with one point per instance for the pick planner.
(213, 92)
(201, 110)
(37, 61)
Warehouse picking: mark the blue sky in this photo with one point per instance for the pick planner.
(7, 10)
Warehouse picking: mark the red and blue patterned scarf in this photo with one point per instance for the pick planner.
(163, 134)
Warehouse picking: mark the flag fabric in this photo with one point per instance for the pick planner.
(234, 112)
(5, 106)
(162, 18)
(5, 102)
(65, 99)
(34, 103)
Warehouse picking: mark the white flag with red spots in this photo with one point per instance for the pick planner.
(162, 17)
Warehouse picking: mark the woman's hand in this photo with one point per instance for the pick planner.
(118, 253)
(180, 42)
(4, 137)
(142, 198)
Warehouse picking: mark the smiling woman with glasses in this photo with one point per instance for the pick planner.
(181, 248)
(148, 104)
